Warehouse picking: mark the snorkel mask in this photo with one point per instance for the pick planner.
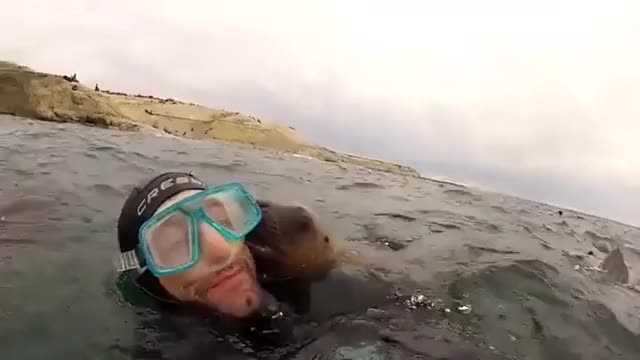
(166, 242)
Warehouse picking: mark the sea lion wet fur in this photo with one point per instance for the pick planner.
(290, 243)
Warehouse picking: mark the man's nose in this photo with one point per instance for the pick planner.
(213, 246)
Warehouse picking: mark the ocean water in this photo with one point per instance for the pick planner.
(434, 270)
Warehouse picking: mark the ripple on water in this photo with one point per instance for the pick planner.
(360, 185)
(544, 243)
(491, 250)
(462, 195)
(384, 237)
(402, 217)
(459, 192)
(58, 236)
(107, 190)
(105, 148)
(22, 172)
(524, 311)
(439, 227)
(437, 213)
(482, 225)
(439, 221)
(399, 198)
(20, 206)
(602, 243)
(500, 209)
(228, 167)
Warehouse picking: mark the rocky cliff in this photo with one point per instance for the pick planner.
(29, 93)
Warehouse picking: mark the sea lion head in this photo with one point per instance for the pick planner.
(290, 243)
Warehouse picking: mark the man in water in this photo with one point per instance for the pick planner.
(185, 242)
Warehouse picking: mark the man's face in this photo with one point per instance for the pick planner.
(232, 289)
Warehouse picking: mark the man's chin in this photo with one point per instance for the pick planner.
(239, 306)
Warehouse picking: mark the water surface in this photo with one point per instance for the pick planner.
(506, 278)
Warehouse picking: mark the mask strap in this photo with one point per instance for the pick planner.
(127, 261)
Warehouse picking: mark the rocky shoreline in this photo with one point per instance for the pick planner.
(62, 98)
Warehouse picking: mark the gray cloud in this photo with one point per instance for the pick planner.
(369, 129)
(540, 103)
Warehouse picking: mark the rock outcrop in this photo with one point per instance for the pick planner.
(28, 93)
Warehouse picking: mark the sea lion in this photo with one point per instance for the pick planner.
(289, 243)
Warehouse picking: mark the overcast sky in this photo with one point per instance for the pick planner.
(537, 98)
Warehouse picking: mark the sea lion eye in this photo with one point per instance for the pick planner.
(326, 239)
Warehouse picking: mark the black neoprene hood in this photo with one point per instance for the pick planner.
(143, 202)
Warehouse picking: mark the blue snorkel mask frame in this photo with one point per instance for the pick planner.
(141, 257)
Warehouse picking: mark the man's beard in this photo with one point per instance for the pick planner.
(270, 324)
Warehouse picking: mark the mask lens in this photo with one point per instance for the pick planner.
(168, 242)
(233, 209)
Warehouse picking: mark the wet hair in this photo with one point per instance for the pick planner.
(142, 203)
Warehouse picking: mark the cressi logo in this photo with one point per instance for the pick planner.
(167, 184)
